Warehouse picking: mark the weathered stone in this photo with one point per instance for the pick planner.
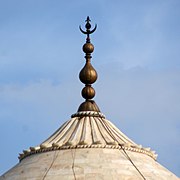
(105, 164)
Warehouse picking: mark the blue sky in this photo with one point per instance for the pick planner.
(137, 50)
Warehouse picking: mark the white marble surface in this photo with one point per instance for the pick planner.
(89, 163)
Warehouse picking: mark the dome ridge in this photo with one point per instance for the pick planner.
(87, 129)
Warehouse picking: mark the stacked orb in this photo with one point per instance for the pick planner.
(88, 74)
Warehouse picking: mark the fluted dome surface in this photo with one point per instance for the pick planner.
(88, 146)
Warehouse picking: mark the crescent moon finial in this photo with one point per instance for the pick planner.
(88, 27)
(88, 74)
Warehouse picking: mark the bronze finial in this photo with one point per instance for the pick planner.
(88, 74)
(88, 27)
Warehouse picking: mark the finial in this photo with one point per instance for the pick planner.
(88, 27)
(88, 74)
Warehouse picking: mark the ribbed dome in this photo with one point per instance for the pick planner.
(87, 130)
(88, 146)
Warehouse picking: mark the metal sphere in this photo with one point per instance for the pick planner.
(88, 48)
(88, 92)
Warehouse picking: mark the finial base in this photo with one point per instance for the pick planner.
(89, 105)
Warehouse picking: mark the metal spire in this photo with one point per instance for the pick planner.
(88, 74)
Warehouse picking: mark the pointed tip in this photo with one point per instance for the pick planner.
(88, 19)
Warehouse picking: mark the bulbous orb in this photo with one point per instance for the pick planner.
(88, 74)
(88, 48)
(88, 92)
